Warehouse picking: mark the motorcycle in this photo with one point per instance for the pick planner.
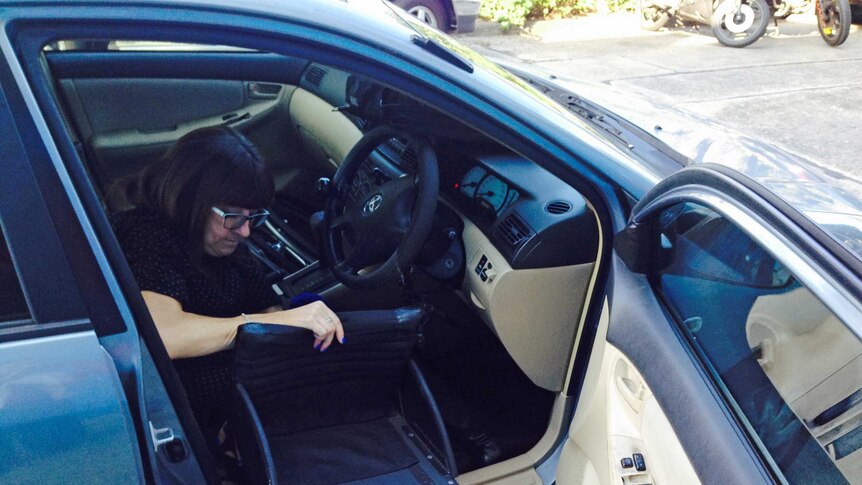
(833, 16)
(735, 23)
(833, 20)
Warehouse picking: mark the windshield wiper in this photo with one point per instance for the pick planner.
(584, 109)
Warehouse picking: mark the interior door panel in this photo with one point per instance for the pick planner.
(624, 419)
(650, 398)
(152, 105)
(126, 123)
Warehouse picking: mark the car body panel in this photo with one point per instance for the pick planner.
(61, 404)
(494, 103)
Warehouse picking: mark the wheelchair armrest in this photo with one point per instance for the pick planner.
(296, 387)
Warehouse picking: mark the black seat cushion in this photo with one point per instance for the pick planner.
(295, 387)
(341, 454)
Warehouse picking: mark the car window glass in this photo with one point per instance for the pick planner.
(13, 306)
(789, 366)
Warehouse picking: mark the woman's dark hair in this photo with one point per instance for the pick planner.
(214, 166)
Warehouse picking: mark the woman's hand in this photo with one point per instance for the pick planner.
(318, 318)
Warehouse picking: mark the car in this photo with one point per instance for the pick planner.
(447, 15)
(616, 299)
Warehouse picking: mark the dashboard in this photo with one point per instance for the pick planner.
(540, 222)
(534, 219)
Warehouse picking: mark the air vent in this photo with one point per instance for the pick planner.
(514, 230)
(315, 75)
(558, 207)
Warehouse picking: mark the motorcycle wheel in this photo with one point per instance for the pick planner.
(743, 26)
(652, 17)
(833, 20)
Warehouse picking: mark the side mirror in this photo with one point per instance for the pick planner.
(634, 245)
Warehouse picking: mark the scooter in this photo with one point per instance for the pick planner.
(735, 23)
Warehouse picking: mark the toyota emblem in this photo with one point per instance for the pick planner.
(373, 204)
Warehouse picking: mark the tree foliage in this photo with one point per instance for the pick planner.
(514, 13)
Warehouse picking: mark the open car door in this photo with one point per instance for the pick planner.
(729, 350)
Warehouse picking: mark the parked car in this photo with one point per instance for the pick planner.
(446, 15)
(619, 298)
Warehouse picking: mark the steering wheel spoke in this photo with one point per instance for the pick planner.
(340, 222)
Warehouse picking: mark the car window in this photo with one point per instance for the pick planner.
(789, 367)
(13, 307)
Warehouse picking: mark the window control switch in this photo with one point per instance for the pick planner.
(640, 464)
(627, 462)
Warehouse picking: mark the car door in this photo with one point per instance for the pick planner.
(729, 350)
(81, 394)
(61, 396)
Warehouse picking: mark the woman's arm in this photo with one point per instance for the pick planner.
(190, 335)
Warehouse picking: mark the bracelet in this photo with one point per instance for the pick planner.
(245, 317)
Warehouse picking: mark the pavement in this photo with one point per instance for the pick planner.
(789, 88)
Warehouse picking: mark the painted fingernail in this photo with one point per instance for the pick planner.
(342, 339)
(324, 349)
(317, 345)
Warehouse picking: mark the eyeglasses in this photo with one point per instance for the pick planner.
(235, 220)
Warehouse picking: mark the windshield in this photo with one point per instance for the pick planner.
(831, 198)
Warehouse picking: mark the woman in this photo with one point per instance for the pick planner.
(183, 241)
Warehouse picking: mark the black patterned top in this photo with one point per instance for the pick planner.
(161, 263)
(219, 287)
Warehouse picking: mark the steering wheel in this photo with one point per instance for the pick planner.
(384, 227)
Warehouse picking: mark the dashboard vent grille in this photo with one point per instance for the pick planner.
(315, 75)
(406, 153)
(558, 207)
(514, 230)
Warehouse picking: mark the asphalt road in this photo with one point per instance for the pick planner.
(789, 88)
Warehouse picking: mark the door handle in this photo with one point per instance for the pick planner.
(632, 392)
(232, 118)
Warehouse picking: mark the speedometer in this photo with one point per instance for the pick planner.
(471, 181)
(493, 191)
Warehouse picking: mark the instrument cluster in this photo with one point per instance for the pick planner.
(491, 193)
